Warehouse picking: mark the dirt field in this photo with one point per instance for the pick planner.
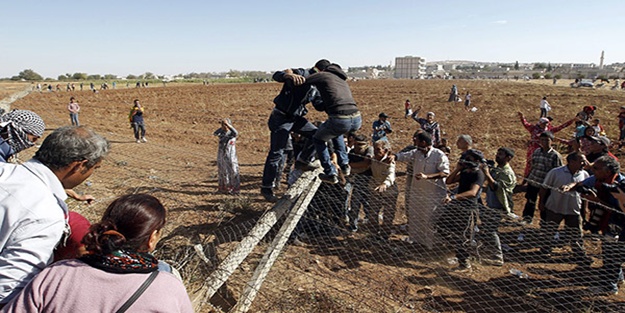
(178, 166)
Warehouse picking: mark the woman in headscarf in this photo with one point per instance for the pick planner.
(227, 161)
(19, 130)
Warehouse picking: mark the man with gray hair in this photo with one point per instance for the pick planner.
(33, 213)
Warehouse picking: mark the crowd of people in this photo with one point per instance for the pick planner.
(45, 249)
(444, 202)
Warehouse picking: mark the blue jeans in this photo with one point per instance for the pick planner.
(74, 118)
(281, 126)
(333, 130)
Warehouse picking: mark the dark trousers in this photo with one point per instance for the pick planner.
(572, 231)
(281, 126)
(531, 194)
(456, 224)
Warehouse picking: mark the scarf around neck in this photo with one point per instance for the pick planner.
(121, 261)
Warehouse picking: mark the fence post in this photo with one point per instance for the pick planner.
(273, 251)
(247, 244)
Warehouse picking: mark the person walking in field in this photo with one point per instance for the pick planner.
(453, 95)
(407, 108)
(73, 109)
(544, 107)
(227, 161)
(467, 101)
(136, 121)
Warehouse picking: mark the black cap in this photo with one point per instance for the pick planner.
(322, 64)
(509, 152)
(383, 115)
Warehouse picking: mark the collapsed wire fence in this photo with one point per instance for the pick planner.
(306, 254)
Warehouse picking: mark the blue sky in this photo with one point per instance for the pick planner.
(171, 37)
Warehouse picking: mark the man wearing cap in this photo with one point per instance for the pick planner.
(599, 146)
(535, 131)
(381, 127)
(286, 117)
(33, 223)
(343, 117)
(429, 125)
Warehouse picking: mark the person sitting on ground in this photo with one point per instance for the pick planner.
(118, 260)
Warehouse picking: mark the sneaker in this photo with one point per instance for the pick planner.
(144, 140)
(306, 166)
(492, 262)
(347, 170)
(268, 195)
(138, 141)
(330, 179)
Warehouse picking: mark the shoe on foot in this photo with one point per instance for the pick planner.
(347, 170)
(144, 140)
(330, 179)
(268, 195)
(492, 262)
(138, 141)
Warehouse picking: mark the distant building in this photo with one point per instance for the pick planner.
(409, 67)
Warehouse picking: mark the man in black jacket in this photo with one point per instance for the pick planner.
(288, 115)
(343, 117)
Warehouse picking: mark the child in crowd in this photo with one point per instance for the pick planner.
(227, 161)
(444, 146)
(383, 184)
(599, 131)
(544, 107)
(408, 108)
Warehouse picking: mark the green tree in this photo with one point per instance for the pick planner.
(29, 75)
(548, 76)
(130, 76)
(557, 76)
(516, 65)
(549, 67)
(110, 77)
(94, 77)
(79, 76)
(535, 75)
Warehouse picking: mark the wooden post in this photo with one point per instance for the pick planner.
(247, 244)
(273, 251)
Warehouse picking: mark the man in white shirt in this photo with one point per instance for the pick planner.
(33, 213)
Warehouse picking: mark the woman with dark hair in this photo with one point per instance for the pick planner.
(117, 264)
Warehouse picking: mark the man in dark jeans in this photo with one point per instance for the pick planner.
(288, 116)
(458, 219)
(544, 159)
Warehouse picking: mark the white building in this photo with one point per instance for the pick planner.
(409, 67)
